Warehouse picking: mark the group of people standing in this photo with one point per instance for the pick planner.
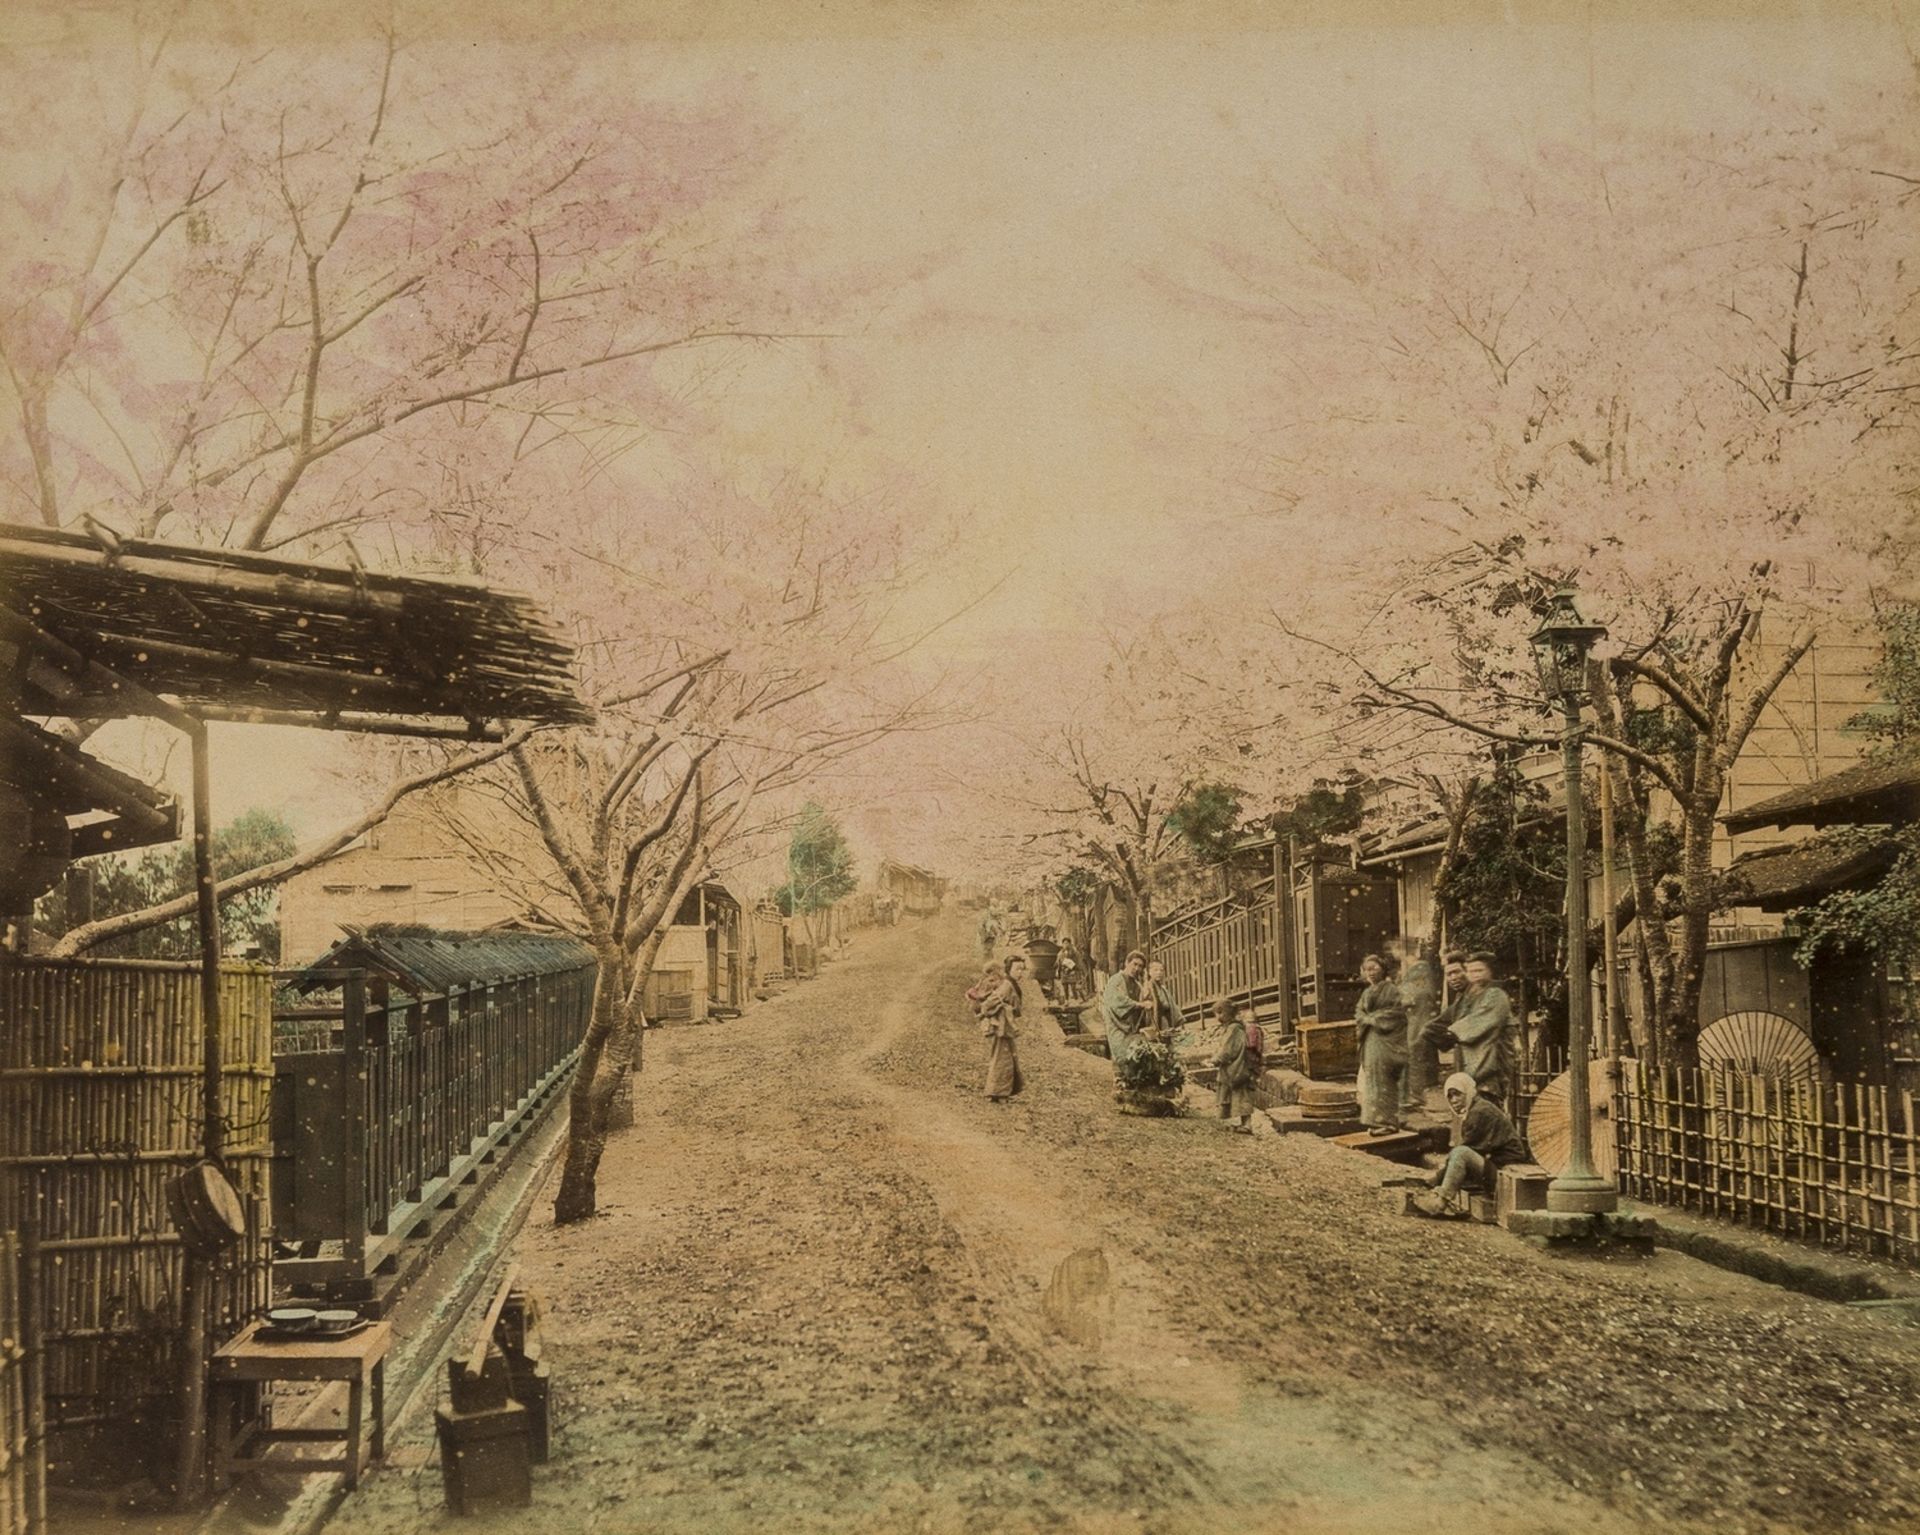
(1399, 1021)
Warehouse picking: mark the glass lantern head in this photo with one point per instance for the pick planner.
(1562, 644)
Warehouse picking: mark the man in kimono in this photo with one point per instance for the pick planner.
(1480, 1022)
(1121, 1007)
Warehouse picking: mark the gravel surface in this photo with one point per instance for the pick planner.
(834, 1289)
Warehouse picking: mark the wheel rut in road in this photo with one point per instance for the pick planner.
(1072, 1268)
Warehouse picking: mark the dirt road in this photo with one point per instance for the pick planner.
(833, 1289)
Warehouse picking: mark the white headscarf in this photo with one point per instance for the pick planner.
(1465, 1083)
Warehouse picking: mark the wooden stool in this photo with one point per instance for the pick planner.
(248, 1361)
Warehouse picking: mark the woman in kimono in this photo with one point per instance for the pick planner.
(1239, 1061)
(999, 1012)
(1380, 1028)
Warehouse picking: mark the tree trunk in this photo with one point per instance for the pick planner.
(591, 1092)
(1680, 1014)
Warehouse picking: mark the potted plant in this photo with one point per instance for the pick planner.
(1149, 1080)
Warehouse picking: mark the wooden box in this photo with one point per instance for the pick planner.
(1328, 1050)
(486, 1458)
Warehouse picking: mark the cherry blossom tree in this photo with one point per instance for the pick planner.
(1678, 372)
(255, 313)
(741, 649)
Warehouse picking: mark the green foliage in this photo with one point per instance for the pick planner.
(1325, 811)
(1153, 1067)
(1895, 722)
(819, 864)
(1208, 820)
(1506, 889)
(1078, 885)
(111, 886)
(1883, 919)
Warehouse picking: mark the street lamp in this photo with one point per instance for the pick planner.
(1561, 646)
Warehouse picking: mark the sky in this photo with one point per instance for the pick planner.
(1028, 187)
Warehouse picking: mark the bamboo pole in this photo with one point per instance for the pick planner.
(199, 1271)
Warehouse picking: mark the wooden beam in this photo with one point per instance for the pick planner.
(365, 724)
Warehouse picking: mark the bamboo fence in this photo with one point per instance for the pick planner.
(99, 1107)
(1836, 1163)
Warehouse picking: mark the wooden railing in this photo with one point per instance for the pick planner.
(382, 1106)
(1833, 1163)
(1226, 950)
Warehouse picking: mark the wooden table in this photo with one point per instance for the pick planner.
(359, 1360)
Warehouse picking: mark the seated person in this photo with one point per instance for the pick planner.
(1484, 1141)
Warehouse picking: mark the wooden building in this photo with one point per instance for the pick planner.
(701, 969)
(918, 892)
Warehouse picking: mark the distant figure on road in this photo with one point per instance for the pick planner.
(1240, 1063)
(989, 932)
(1380, 1026)
(999, 1013)
(1121, 1009)
(1066, 972)
(1484, 1141)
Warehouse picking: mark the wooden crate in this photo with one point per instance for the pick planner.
(1328, 1050)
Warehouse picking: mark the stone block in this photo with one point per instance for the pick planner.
(1482, 1209)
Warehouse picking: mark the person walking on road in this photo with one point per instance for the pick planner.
(999, 1015)
(1121, 1010)
(1380, 1024)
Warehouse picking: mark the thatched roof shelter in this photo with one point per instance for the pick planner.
(231, 635)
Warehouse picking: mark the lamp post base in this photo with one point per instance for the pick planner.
(1582, 1195)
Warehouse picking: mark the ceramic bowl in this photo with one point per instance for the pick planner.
(293, 1318)
(336, 1321)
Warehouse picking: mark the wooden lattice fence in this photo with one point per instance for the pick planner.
(1833, 1163)
(100, 1070)
(1227, 950)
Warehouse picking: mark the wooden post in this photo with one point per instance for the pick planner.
(191, 1470)
(1283, 920)
(33, 1340)
(1610, 938)
(353, 1092)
